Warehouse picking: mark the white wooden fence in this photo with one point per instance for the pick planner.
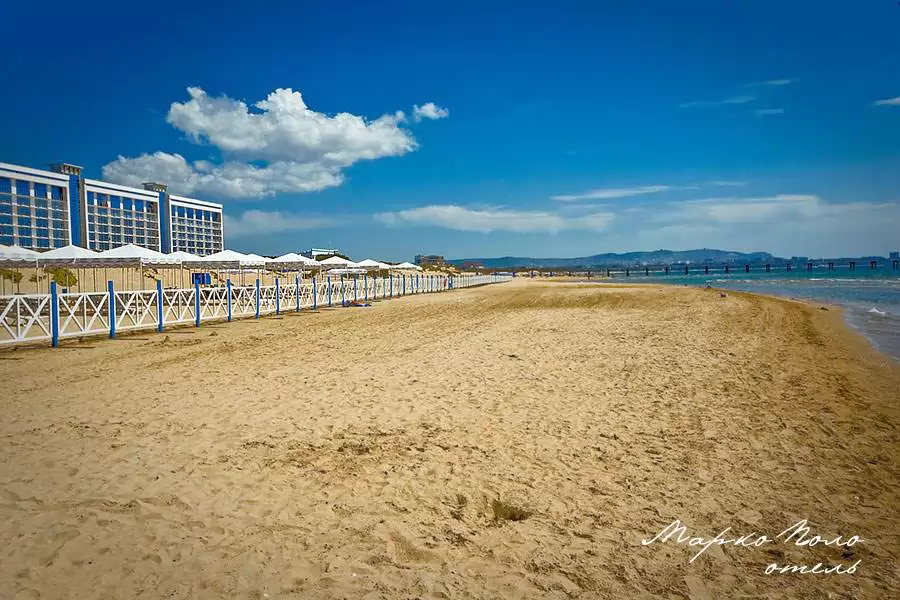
(51, 317)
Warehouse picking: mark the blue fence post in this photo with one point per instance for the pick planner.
(228, 291)
(54, 315)
(277, 297)
(366, 286)
(112, 308)
(315, 294)
(392, 285)
(343, 294)
(197, 303)
(328, 279)
(297, 284)
(403, 275)
(159, 306)
(257, 297)
(355, 286)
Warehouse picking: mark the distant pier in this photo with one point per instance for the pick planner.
(705, 269)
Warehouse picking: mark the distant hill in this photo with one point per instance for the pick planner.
(655, 257)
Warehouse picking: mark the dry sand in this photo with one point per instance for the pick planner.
(360, 453)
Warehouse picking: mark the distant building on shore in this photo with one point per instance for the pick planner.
(895, 255)
(429, 260)
(471, 265)
(317, 252)
(799, 259)
(41, 210)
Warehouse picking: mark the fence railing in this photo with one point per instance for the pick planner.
(50, 317)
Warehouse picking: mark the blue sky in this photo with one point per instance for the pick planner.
(479, 129)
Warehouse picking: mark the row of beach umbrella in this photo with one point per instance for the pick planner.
(136, 255)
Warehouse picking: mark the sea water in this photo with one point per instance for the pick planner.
(871, 298)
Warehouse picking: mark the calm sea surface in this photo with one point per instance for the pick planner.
(871, 298)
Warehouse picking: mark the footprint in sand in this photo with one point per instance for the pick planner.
(403, 551)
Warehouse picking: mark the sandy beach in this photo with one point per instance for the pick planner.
(509, 441)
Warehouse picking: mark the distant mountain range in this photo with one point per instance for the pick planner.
(611, 259)
(654, 257)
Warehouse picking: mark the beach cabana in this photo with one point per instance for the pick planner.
(292, 258)
(71, 256)
(406, 266)
(182, 256)
(139, 255)
(75, 258)
(255, 259)
(15, 257)
(337, 262)
(370, 264)
(292, 262)
(230, 260)
(17, 251)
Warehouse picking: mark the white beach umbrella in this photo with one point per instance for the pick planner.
(255, 259)
(232, 258)
(16, 255)
(293, 260)
(407, 266)
(369, 264)
(336, 261)
(20, 251)
(71, 255)
(138, 254)
(182, 256)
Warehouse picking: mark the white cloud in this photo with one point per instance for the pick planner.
(783, 224)
(612, 193)
(495, 219)
(230, 179)
(729, 183)
(281, 146)
(888, 102)
(771, 82)
(762, 210)
(739, 100)
(258, 222)
(706, 103)
(429, 110)
(766, 112)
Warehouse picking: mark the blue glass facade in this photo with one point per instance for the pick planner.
(196, 227)
(33, 208)
(50, 209)
(116, 215)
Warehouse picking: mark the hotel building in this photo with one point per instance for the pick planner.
(41, 210)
